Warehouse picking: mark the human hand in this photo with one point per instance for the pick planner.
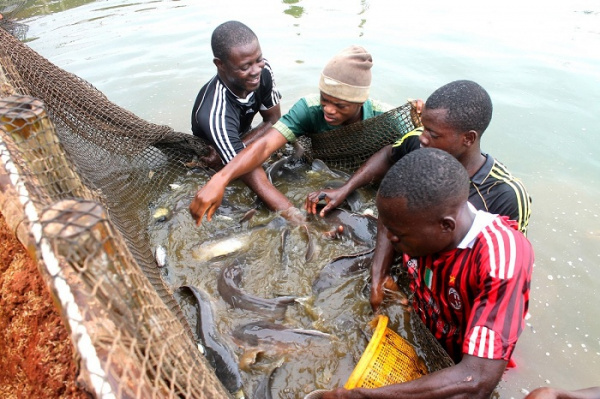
(333, 197)
(418, 104)
(294, 216)
(378, 291)
(415, 112)
(207, 200)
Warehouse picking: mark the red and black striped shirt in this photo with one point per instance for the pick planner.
(474, 298)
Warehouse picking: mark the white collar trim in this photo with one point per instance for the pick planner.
(482, 219)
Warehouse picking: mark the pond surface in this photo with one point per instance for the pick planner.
(539, 62)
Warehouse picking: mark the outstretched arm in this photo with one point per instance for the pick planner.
(270, 116)
(208, 198)
(371, 171)
(473, 377)
(258, 182)
(380, 268)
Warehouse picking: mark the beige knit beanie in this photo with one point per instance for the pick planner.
(347, 75)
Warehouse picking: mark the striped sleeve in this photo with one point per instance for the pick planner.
(407, 143)
(297, 121)
(223, 126)
(499, 309)
(272, 97)
(518, 202)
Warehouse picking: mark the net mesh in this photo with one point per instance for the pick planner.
(348, 147)
(74, 163)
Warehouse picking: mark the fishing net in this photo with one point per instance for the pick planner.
(78, 175)
(348, 147)
(75, 166)
(8, 8)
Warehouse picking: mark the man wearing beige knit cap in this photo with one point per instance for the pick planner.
(344, 99)
(348, 75)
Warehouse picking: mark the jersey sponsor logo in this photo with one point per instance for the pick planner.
(413, 263)
(454, 299)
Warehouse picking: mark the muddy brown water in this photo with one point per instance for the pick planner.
(342, 310)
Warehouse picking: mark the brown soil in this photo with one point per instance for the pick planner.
(36, 353)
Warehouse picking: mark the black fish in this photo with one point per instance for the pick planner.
(285, 259)
(319, 166)
(286, 166)
(310, 245)
(360, 228)
(228, 286)
(263, 389)
(274, 168)
(342, 267)
(266, 333)
(277, 167)
(248, 215)
(271, 339)
(220, 356)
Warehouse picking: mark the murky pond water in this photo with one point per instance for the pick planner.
(539, 61)
(277, 259)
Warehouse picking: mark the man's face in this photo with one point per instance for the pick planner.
(339, 112)
(414, 233)
(241, 70)
(439, 134)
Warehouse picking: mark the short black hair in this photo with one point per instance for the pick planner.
(228, 35)
(469, 105)
(426, 178)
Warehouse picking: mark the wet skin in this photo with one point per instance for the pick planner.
(462, 145)
(338, 112)
(416, 233)
(242, 68)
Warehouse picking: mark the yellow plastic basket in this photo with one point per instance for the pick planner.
(388, 359)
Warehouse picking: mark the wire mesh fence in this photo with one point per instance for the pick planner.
(69, 173)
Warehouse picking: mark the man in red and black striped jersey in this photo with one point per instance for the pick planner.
(471, 275)
(225, 106)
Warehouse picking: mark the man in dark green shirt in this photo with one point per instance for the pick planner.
(307, 116)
